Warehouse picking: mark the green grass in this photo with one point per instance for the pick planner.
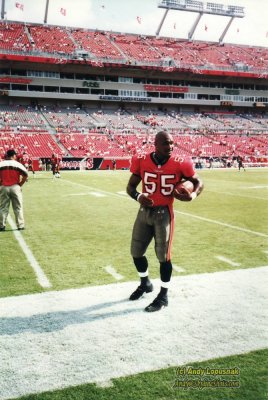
(74, 235)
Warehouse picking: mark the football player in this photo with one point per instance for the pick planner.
(55, 166)
(159, 172)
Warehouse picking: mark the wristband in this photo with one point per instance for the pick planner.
(135, 195)
(193, 195)
(139, 195)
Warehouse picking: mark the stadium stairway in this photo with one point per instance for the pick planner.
(74, 41)
(53, 134)
(115, 45)
(63, 149)
(49, 127)
(28, 34)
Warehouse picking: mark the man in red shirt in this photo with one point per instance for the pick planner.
(12, 177)
(159, 172)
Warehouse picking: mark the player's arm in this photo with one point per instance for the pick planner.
(133, 183)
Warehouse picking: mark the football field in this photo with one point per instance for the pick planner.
(67, 329)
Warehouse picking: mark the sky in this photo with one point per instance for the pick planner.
(144, 16)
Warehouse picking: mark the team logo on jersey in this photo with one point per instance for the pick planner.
(178, 159)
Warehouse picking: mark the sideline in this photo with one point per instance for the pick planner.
(41, 277)
(58, 339)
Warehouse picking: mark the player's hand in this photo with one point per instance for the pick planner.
(145, 200)
(183, 195)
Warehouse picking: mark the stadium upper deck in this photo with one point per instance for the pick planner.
(51, 44)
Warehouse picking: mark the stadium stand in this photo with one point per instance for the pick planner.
(108, 93)
(126, 48)
(51, 39)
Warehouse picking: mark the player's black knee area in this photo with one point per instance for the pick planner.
(165, 271)
(141, 263)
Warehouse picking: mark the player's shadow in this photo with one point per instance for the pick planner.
(56, 321)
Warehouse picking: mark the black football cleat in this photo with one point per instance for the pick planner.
(2, 229)
(141, 290)
(158, 303)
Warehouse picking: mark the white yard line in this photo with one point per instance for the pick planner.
(53, 340)
(122, 193)
(111, 270)
(237, 195)
(98, 194)
(212, 221)
(91, 188)
(177, 268)
(76, 194)
(41, 277)
(257, 187)
(228, 261)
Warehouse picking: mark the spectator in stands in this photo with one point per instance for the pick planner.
(159, 173)
(13, 175)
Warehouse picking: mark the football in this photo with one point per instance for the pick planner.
(182, 188)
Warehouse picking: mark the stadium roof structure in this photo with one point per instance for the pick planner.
(201, 8)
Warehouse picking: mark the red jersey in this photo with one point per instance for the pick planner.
(55, 161)
(159, 180)
(10, 172)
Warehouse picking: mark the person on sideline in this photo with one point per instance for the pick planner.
(55, 166)
(13, 175)
(159, 172)
(240, 163)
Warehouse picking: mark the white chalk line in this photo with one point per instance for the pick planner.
(212, 221)
(237, 195)
(228, 261)
(92, 188)
(41, 277)
(96, 194)
(256, 187)
(177, 268)
(176, 211)
(112, 271)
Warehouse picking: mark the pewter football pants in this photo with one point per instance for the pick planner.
(157, 223)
